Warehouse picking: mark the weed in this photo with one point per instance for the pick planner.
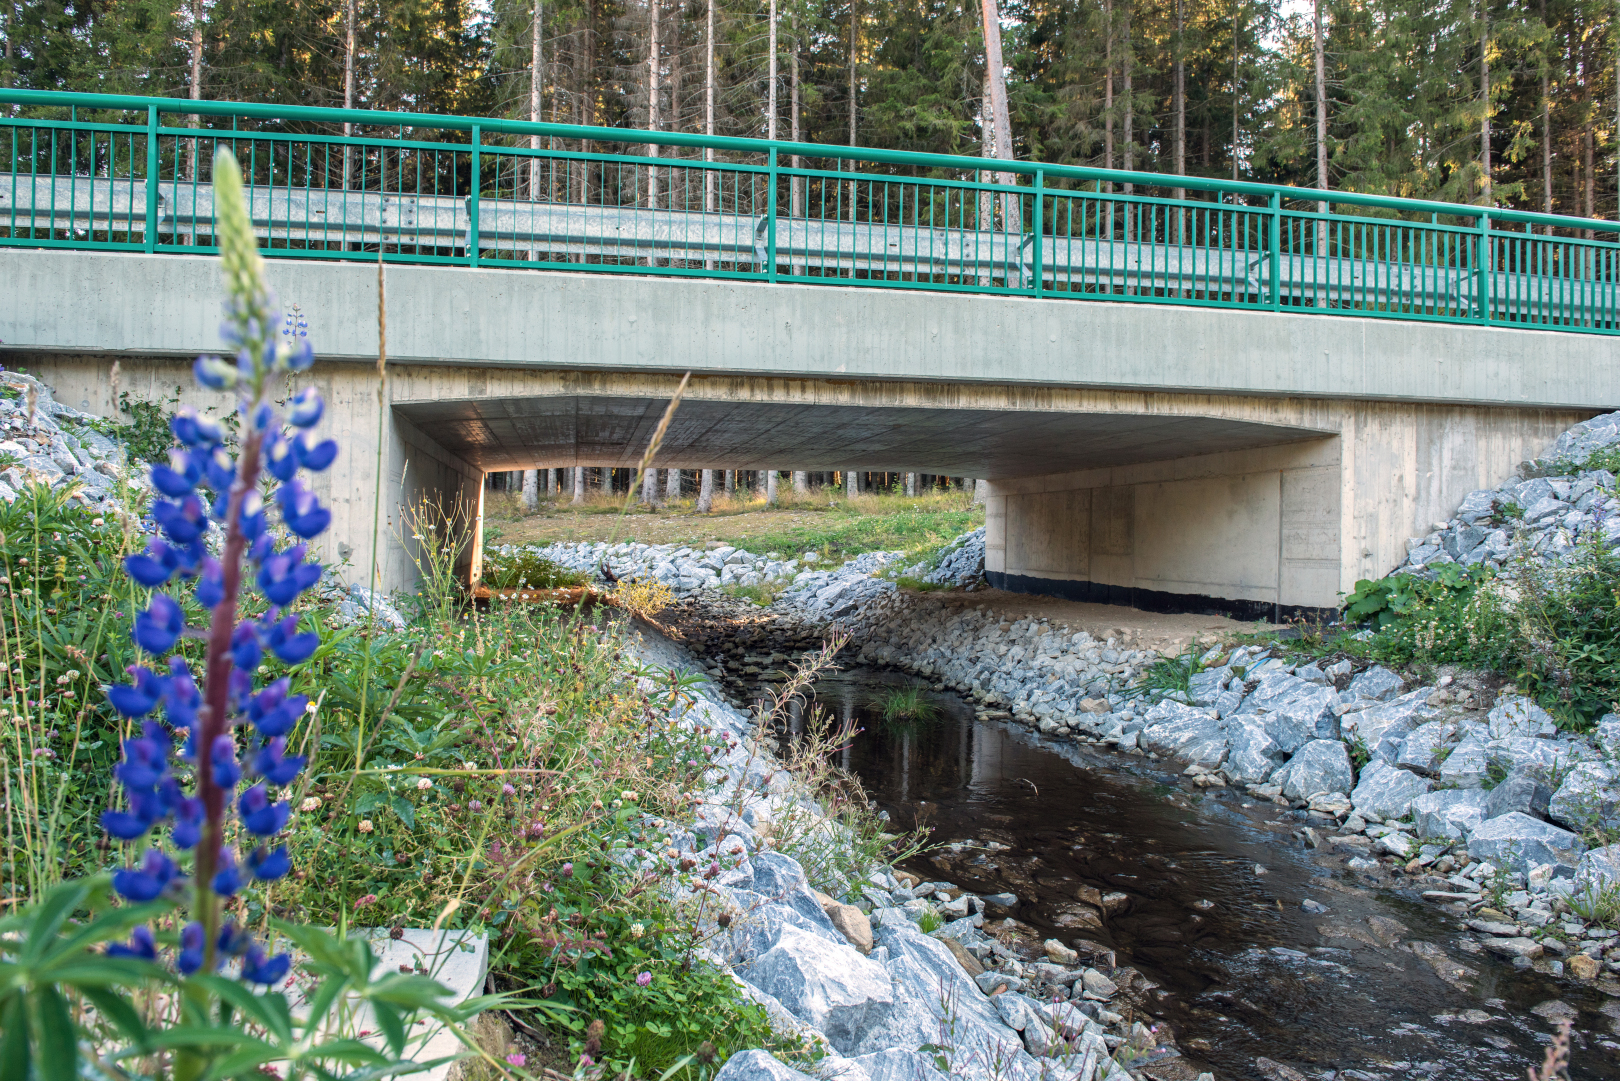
(1597, 904)
(918, 585)
(1360, 755)
(930, 920)
(1169, 675)
(763, 595)
(906, 704)
(526, 570)
(1495, 774)
(147, 434)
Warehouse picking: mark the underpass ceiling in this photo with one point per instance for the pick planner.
(526, 433)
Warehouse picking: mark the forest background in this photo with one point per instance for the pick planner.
(1505, 102)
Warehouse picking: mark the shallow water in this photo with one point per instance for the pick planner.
(1213, 912)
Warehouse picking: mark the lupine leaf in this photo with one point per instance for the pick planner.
(392, 1027)
(58, 1042)
(117, 1009)
(14, 1051)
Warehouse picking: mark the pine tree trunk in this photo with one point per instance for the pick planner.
(1001, 126)
(348, 87)
(193, 120)
(853, 23)
(551, 482)
(709, 179)
(801, 483)
(531, 489)
(1179, 92)
(705, 499)
(655, 63)
(731, 483)
(770, 89)
(1128, 62)
(911, 485)
(1108, 91)
(1321, 108)
(796, 184)
(579, 485)
(537, 14)
(1485, 102)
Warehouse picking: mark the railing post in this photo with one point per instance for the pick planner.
(1276, 250)
(770, 218)
(151, 178)
(1040, 227)
(472, 201)
(1484, 263)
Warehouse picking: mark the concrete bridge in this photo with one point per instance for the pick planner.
(1231, 401)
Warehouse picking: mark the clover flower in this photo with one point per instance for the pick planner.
(232, 727)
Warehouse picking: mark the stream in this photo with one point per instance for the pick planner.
(1213, 887)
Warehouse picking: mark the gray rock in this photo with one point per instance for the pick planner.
(1389, 722)
(829, 986)
(1459, 542)
(362, 604)
(1545, 757)
(1377, 683)
(898, 1064)
(1588, 798)
(1016, 1011)
(781, 879)
(1421, 750)
(1607, 735)
(758, 1066)
(1520, 791)
(1252, 754)
(1183, 731)
(1599, 869)
(1322, 765)
(1520, 842)
(1465, 766)
(1451, 813)
(1477, 505)
(1515, 715)
(1204, 687)
(1386, 792)
(757, 925)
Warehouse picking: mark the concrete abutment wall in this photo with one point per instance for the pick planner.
(1268, 533)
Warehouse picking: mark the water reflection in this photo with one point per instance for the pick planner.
(1203, 895)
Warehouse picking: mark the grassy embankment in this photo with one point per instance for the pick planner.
(825, 521)
(498, 770)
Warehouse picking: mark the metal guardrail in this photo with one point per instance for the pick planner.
(479, 192)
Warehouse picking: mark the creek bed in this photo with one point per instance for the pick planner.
(1214, 913)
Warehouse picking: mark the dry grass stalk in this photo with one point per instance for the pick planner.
(1556, 1064)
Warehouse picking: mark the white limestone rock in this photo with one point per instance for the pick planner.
(1389, 722)
(1518, 841)
(1466, 765)
(758, 1065)
(1322, 765)
(829, 986)
(1516, 715)
(1421, 751)
(1183, 731)
(1252, 755)
(1599, 869)
(1589, 797)
(1386, 792)
(1377, 683)
(1450, 814)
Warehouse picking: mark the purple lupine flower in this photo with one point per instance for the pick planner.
(203, 485)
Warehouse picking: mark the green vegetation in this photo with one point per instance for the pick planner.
(877, 523)
(1554, 629)
(930, 921)
(1597, 904)
(147, 434)
(497, 771)
(1168, 675)
(907, 704)
(524, 569)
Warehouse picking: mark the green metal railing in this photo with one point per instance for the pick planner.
(116, 173)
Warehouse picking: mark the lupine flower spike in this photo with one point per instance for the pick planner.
(213, 531)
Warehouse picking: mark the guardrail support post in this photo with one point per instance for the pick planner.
(151, 178)
(1485, 262)
(1040, 227)
(770, 218)
(472, 201)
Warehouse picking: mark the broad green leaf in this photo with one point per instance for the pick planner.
(255, 1006)
(49, 916)
(393, 1028)
(117, 1009)
(14, 1050)
(406, 812)
(58, 1041)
